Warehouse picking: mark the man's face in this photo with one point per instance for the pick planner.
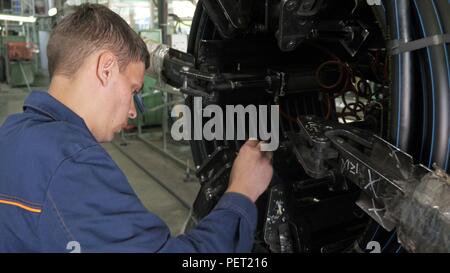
(118, 101)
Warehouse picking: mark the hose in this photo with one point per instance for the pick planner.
(402, 96)
(442, 11)
(437, 58)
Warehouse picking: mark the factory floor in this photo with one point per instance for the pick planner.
(164, 186)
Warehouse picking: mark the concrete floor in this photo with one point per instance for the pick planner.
(156, 197)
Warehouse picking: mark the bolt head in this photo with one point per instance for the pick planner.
(307, 5)
(290, 5)
(291, 44)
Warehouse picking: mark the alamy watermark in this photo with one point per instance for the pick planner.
(231, 125)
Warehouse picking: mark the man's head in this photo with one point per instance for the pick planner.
(96, 62)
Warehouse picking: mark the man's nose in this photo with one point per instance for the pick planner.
(132, 113)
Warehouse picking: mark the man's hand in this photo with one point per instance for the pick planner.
(252, 171)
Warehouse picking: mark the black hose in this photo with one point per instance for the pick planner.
(430, 25)
(195, 25)
(404, 112)
(403, 107)
(424, 82)
(199, 30)
(442, 10)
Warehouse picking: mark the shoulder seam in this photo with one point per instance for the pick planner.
(60, 218)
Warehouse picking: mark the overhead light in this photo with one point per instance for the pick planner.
(52, 12)
(27, 19)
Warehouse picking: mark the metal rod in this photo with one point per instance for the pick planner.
(24, 76)
(162, 19)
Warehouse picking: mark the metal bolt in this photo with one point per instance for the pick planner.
(259, 28)
(291, 45)
(239, 21)
(314, 33)
(307, 5)
(209, 193)
(302, 22)
(291, 5)
(202, 59)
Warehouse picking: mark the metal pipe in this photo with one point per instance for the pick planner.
(162, 19)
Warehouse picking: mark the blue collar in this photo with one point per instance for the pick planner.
(44, 103)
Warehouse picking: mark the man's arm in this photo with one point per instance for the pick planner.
(89, 201)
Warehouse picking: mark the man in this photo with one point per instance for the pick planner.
(59, 189)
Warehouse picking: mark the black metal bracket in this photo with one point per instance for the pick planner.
(277, 228)
(300, 20)
(230, 17)
(379, 169)
(295, 22)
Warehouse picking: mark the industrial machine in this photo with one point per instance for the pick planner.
(363, 94)
(17, 58)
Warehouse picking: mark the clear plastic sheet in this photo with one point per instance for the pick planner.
(423, 216)
(157, 54)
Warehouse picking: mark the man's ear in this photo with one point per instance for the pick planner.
(106, 63)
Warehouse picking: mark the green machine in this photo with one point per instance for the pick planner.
(152, 98)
